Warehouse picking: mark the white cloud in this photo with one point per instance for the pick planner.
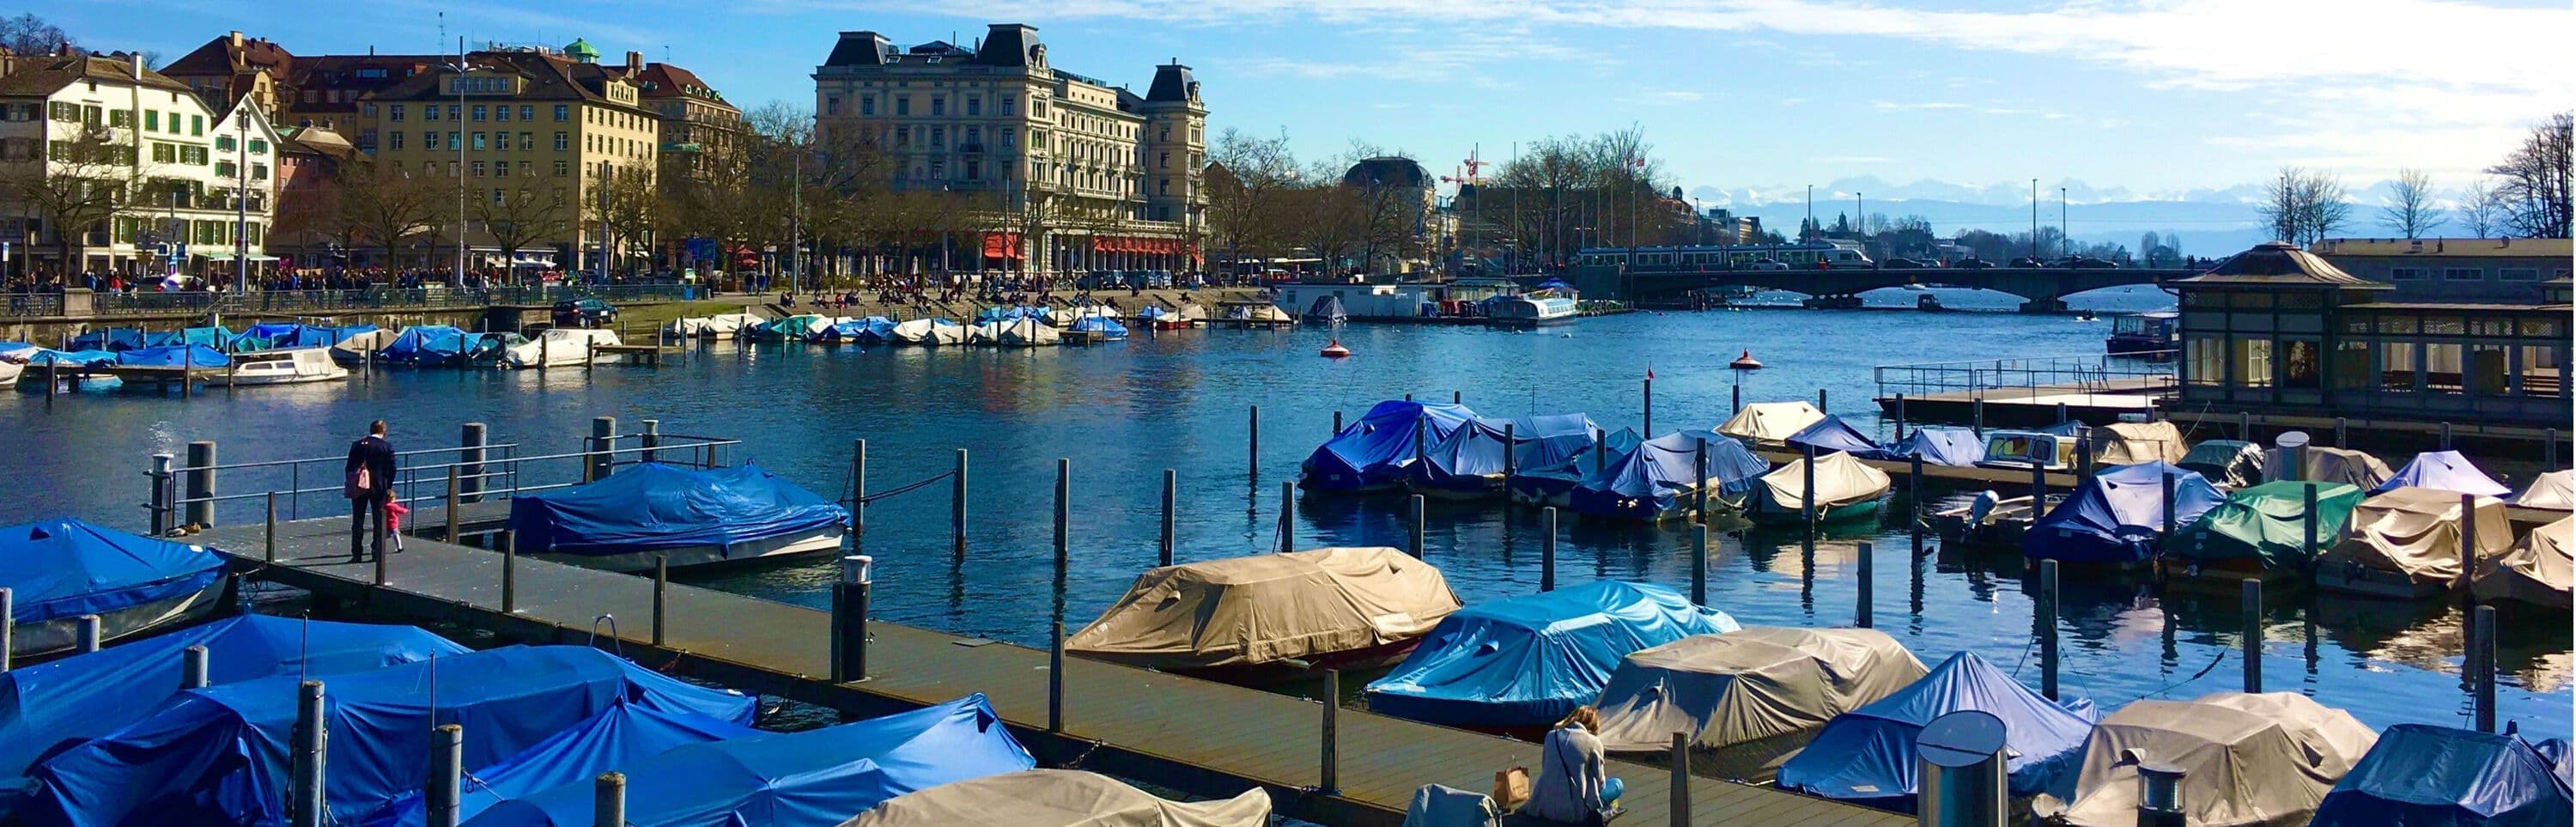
(1891, 106)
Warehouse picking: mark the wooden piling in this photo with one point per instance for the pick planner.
(304, 800)
(1063, 512)
(608, 800)
(1900, 417)
(452, 492)
(1413, 539)
(2446, 436)
(2468, 550)
(1649, 397)
(1171, 504)
(1821, 404)
(1865, 600)
(1287, 517)
(1328, 776)
(2253, 634)
(1337, 422)
(1547, 550)
(2482, 658)
(1055, 678)
(1252, 448)
(661, 599)
(2047, 609)
(446, 774)
(268, 533)
(858, 494)
(1681, 797)
(1511, 451)
(957, 507)
(509, 572)
(1807, 498)
(1699, 481)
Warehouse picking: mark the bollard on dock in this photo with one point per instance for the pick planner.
(200, 480)
(850, 618)
(1960, 771)
(2159, 791)
(608, 800)
(446, 775)
(192, 668)
(85, 635)
(471, 453)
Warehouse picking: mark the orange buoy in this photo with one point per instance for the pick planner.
(1745, 362)
(1336, 350)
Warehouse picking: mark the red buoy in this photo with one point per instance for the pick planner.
(1745, 362)
(1336, 350)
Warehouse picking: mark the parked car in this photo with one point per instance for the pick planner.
(584, 313)
(1900, 263)
(2087, 263)
(1973, 263)
(1766, 264)
(2027, 262)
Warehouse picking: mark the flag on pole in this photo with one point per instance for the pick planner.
(1650, 370)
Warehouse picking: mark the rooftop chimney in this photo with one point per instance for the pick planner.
(634, 61)
(235, 37)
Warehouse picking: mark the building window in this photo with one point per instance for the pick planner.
(1164, 161)
(1009, 137)
(2397, 366)
(258, 147)
(1008, 102)
(196, 125)
(831, 105)
(902, 138)
(2464, 273)
(2352, 365)
(478, 142)
(867, 104)
(2252, 362)
(151, 120)
(478, 169)
(563, 141)
(527, 142)
(397, 141)
(902, 105)
(1164, 184)
(394, 112)
(938, 106)
(2487, 371)
(974, 106)
(500, 169)
(429, 113)
(562, 113)
(974, 170)
(455, 112)
(259, 172)
(2518, 274)
(2301, 365)
(562, 169)
(454, 139)
(2541, 374)
(478, 113)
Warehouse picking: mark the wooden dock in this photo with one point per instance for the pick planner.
(2098, 402)
(1187, 734)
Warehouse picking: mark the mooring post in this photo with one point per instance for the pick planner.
(2339, 426)
(661, 599)
(1252, 446)
(446, 774)
(2166, 486)
(1547, 550)
(85, 634)
(304, 802)
(1699, 481)
(2468, 549)
(2482, 659)
(1914, 484)
(1420, 442)
(201, 484)
(2308, 523)
(509, 572)
(2061, 412)
(1900, 417)
(2160, 795)
(1735, 400)
(1413, 540)
(1457, 397)
(1699, 564)
(470, 453)
(1337, 422)
(1820, 401)
(608, 800)
(1171, 504)
(1287, 516)
(2549, 449)
(452, 492)
(1649, 397)
(192, 668)
(2253, 634)
(8, 626)
(1063, 513)
(1861, 610)
(2083, 460)
(858, 493)
(603, 433)
(268, 532)
(2048, 629)
(1807, 497)
(1511, 452)
(850, 619)
(957, 507)
(2446, 436)
(384, 561)
(1681, 797)
(1977, 416)
(1328, 777)
(652, 440)
(1055, 678)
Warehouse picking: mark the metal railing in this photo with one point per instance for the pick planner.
(372, 298)
(36, 304)
(2128, 373)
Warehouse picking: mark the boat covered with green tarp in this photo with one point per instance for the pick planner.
(2267, 524)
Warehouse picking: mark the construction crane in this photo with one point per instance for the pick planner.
(1470, 174)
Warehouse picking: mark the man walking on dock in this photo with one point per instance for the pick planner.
(370, 473)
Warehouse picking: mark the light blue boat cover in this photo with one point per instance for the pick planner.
(1561, 479)
(621, 737)
(2117, 516)
(1831, 434)
(1101, 325)
(287, 335)
(220, 755)
(1653, 479)
(50, 706)
(1375, 450)
(817, 777)
(1527, 661)
(70, 358)
(171, 356)
(111, 339)
(1867, 755)
(65, 567)
(1152, 312)
(2444, 471)
(1938, 445)
(429, 343)
(1475, 450)
(650, 506)
(2419, 775)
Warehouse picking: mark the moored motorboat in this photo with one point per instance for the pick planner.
(62, 568)
(2540, 569)
(2116, 516)
(2408, 543)
(1747, 700)
(1770, 424)
(1476, 459)
(1250, 619)
(1870, 755)
(1845, 488)
(1516, 665)
(927, 332)
(1660, 480)
(558, 347)
(1060, 798)
(357, 348)
(2246, 760)
(2260, 529)
(285, 367)
(1371, 454)
(651, 511)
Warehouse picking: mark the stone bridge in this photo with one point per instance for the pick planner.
(2044, 288)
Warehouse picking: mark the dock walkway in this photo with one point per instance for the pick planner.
(1180, 732)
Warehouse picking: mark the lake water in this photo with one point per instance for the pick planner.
(1124, 412)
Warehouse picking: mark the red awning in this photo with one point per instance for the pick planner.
(1002, 245)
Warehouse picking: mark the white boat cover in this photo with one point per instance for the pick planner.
(2247, 759)
(729, 325)
(1841, 479)
(2327, 464)
(2540, 570)
(1772, 422)
(559, 346)
(2416, 532)
(1059, 798)
(1744, 686)
(2555, 491)
(363, 345)
(1189, 313)
(688, 325)
(928, 332)
(2132, 443)
(988, 333)
(1269, 607)
(1028, 333)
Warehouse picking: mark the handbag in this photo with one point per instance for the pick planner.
(1511, 788)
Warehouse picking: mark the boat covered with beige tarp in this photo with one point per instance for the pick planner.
(1846, 487)
(2555, 491)
(1771, 423)
(2247, 760)
(1339, 607)
(2325, 464)
(2415, 533)
(2540, 570)
(1059, 798)
(1753, 697)
(2135, 443)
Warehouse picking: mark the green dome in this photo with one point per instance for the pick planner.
(581, 50)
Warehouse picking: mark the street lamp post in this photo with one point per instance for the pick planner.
(241, 197)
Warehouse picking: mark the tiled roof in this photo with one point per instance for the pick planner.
(46, 75)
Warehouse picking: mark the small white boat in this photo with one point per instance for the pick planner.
(927, 332)
(988, 334)
(725, 325)
(286, 367)
(1029, 333)
(558, 347)
(356, 350)
(9, 373)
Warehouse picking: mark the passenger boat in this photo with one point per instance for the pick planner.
(558, 347)
(1474, 460)
(2425, 774)
(2246, 760)
(1371, 454)
(927, 332)
(2406, 543)
(1660, 479)
(62, 568)
(1747, 700)
(1868, 756)
(1517, 665)
(2115, 517)
(691, 518)
(1846, 489)
(1543, 307)
(286, 367)
(1270, 616)
(2157, 332)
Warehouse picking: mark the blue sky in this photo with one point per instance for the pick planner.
(1742, 99)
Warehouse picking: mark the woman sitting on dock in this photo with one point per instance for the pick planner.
(1573, 785)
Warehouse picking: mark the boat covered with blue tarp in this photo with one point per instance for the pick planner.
(43, 356)
(622, 736)
(1371, 454)
(2443, 471)
(174, 356)
(1660, 479)
(1098, 327)
(817, 777)
(435, 344)
(1555, 485)
(690, 517)
(53, 705)
(2118, 515)
(1867, 755)
(214, 337)
(2419, 775)
(59, 569)
(220, 755)
(117, 339)
(1472, 460)
(1936, 444)
(1523, 662)
(1831, 434)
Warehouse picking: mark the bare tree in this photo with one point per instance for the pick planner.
(2534, 192)
(2481, 209)
(28, 35)
(516, 217)
(2303, 206)
(626, 206)
(1247, 183)
(73, 185)
(2411, 211)
(386, 203)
